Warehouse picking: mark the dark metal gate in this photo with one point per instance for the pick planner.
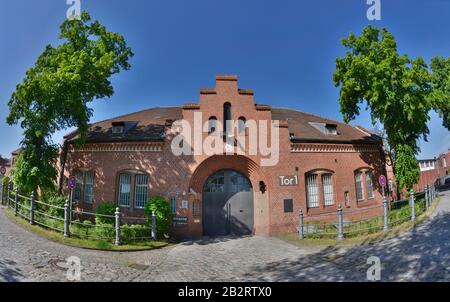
(227, 205)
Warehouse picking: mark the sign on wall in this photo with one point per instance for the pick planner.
(185, 204)
(287, 181)
(179, 221)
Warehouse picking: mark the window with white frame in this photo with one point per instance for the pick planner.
(359, 186)
(84, 188)
(312, 191)
(369, 185)
(328, 193)
(133, 190)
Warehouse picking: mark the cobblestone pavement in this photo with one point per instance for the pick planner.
(422, 254)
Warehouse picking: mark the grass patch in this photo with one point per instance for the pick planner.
(397, 215)
(82, 243)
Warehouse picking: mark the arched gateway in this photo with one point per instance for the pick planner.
(227, 204)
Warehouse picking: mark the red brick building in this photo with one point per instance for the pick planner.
(321, 165)
(434, 171)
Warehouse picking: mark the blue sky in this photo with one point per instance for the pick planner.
(284, 50)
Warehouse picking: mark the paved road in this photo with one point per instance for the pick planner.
(422, 254)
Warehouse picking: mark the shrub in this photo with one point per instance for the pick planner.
(136, 232)
(58, 201)
(163, 217)
(106, 208)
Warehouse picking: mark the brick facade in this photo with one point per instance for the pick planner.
(183, 177)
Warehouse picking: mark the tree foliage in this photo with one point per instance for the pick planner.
(440, 95)
(55, 93)
(396, 90)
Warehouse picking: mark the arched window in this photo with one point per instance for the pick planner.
(212, 124)
(359, 186)
(319, 188)
(328, 192)
(226, 116)
(369, 185)
(241, 125)
(312, 191)
(364, 183)
(84, 189)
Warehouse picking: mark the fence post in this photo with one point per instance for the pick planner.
(300, 225)
(32, 208)
(16, 198)
(154, 237)
(411, 204)
(340, 224)
(66, 220)
(426, 198)
(8, 201)
(117, 226)
(433, 190)
(385, 215)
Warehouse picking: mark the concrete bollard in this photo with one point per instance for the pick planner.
(154, 234)
(301, 235)
(340, 224)
(385, 215)
(66, 220)
(117, 226)
(411, 204)
(32, 208)
(16, 200)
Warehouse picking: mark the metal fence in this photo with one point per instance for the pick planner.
(335, 225)
(62, 219)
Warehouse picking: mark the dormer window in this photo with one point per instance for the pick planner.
(327, 129)
(331, 129)
(118, 128)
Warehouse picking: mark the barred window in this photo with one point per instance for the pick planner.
(369, 185)
(359, 186)
(141, 191)
(196, 208)
(79, 186)
(173, 206)
(89, 187)
(312, 189)
(124, 190)
(328, 194)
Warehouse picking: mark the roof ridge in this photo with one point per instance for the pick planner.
(140, 111)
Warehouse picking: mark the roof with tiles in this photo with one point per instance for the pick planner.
(149, 125)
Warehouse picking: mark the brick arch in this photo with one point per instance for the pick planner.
(238, 163)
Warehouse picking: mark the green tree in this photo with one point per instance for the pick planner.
(440, 96)
(55, 93)
(395, 89)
